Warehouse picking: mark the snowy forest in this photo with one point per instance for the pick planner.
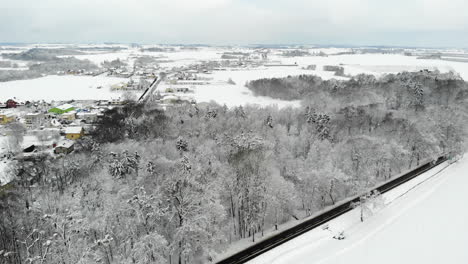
(42, 62)
(185, 184)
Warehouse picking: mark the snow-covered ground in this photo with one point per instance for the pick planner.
(75, 87)
(57, 88)
(378, 63)
(237, 94)
(423, 221)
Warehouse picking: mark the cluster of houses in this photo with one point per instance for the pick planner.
(120, 72)
(146, 71)
(81, 72)
(131, 85)
(47, 128)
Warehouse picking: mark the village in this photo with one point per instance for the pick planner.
(32, 130)
(53, 128)
(48, 127)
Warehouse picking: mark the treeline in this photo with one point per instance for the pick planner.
(295, 53)
(365, 89)
(182, 185)
(41, 54)
(68, 64)
(8, 64)
(45, 62)
(290, 88)
(117, 63)
(58, 66)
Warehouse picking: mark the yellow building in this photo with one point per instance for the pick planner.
(74, 133)
(6, 118)
(70, 116)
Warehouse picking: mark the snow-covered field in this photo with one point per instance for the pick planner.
(98, 58)
(378, 63)
(237, 94)
(57, 88)
(75, 87)
(423, 221)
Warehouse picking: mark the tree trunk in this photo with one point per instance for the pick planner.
(362, 213)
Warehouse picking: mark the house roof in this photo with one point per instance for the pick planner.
(73, 130)
(33, 114)
(65, 143)
(65, 107)
(87, 113)
(32, 140)
(7, 113)
(69, 113)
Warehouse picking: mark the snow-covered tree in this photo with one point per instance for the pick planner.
(368, 204)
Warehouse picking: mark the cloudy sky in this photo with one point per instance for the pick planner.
(357, 22)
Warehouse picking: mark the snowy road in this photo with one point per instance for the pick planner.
(428, 223)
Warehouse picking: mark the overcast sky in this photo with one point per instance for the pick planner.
(358, 22)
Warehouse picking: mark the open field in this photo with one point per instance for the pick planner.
(57, 88)
(170, 58)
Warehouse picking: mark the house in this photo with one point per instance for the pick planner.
(64, 147)
(117, 102)
(69, 116)
(88, 117)
(62, 109)
(74, 133)
(118, 86)
(39, 140)
(34, 119)
(11, 103)
(6, 118)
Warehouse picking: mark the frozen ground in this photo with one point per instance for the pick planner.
(424, 221)
(60, 88)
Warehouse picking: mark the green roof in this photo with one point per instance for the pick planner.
(60, 111)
